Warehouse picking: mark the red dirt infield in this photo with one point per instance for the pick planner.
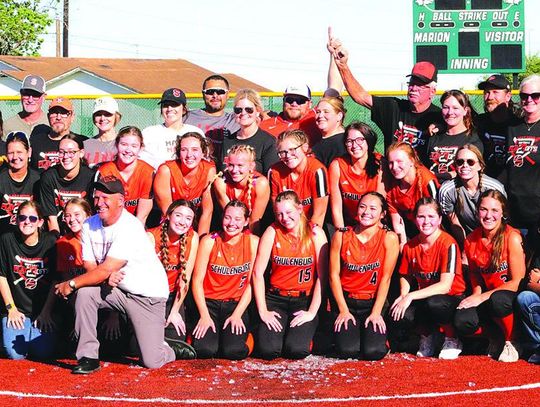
(399, 379)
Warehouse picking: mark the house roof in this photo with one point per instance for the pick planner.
(138, 75)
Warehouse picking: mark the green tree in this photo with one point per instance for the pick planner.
(21, 24)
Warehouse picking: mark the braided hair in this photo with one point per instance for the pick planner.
(164, 248)
(250, 152)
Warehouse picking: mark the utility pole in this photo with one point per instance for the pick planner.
(65, 36)
(58, 37)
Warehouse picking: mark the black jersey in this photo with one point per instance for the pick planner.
(29, 270)
(13, 193)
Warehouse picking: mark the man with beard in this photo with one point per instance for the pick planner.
(399, 119)
(46, 140)
(212, 119)
(493, 125)
(31, 116)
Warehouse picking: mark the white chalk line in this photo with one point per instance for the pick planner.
(163, 400)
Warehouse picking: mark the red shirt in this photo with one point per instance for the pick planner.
(403, 202)
(69, 262)
(293, 267)
(362, 263)
(228, 268)
(311, 184)
(479, 251)
(426, 266)
(353, 186)
(277, 125)
(173, 273)
(192, 192)
(138, 186)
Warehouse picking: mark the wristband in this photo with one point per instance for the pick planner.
(10, 306)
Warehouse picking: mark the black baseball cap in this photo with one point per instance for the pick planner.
(173, 95)
(110, 185)
(496, 81)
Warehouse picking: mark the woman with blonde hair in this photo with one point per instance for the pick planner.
(329, 116)
(299, 171)
(248, 109)
(298, 254)
(240, 181)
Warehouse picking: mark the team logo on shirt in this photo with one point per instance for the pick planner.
(49, 159)
(521, 149)
(497, 147)
(410, 135)
(362, 268)
(11, 206)
(131, 202)
(443, 159)
(61, 198)
(30, 271)
(229, 271)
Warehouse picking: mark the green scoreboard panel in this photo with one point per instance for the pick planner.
(470, 36)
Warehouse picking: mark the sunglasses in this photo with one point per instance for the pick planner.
(470, 162)
(300, 100)
(525, 96)
(217, 91)
(238, 110)
(31, 218)
(17, 135)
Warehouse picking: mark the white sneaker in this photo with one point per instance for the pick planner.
(509, 353)
(535, 359)
(427, 346)
(451, 348)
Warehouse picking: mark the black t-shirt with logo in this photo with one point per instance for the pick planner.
(398, 123)
(29, 270)
(523, 174)
(13, 193)
(493, 135)
(442, 150)
(55, 192)
(45, 149)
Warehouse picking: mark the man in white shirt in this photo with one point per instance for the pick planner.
(123, 273)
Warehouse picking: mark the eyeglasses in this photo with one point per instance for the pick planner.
(535, 96)
(27, 93)
(31, 218)
(67, 153)
(470, 162)
(60, 114)
(300, 100)
(17, 135)
(351, 142)
(290, 151)
(217, 91)
(238, 110)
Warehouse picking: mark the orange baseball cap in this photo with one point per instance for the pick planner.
(62, 102)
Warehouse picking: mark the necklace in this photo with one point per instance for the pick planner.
(531, 125)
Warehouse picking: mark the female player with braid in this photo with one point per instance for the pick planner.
(176, 244)
(496, 267)
(241, 181)
(222, 289)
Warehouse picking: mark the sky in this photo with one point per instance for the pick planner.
(270, 43)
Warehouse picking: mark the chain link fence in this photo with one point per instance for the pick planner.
(143, 110)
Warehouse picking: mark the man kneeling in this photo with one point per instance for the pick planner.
(122, 273)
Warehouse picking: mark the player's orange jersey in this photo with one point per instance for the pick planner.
(192, 192)
(174, 252)
(311, 184)
(479, 251)
(228, 268)
(403, 202)
(362, 263)
(293, 267)
(353, 186)
(426, 266)
(138, 186)
(242, 196)
(69, 262)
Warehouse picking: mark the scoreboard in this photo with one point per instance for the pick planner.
(470, 36)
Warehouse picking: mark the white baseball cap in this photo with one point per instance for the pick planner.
(302, 90)
(106, 104)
